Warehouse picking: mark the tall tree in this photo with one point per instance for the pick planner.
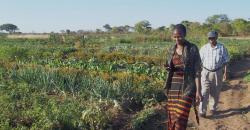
(240, 26)
(218, 18)
(224, 28)
(127, 28)
(107, 27)
(117, 29)
(143, 26)
(11, 28)
(98, 30)
(161, 29)
(68, 31)
(186, 23)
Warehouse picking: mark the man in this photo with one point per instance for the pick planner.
(214, 57)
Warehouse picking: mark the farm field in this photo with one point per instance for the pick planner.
(101, 82)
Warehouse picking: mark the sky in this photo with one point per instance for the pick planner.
(54, 15)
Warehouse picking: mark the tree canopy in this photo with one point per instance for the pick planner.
(11, 28)
(143, 26)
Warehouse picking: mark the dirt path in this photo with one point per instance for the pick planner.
(234, 105)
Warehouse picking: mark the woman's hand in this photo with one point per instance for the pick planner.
(198, 98)
(224, 76)
(167, 67)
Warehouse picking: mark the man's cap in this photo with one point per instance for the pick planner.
(212, 34)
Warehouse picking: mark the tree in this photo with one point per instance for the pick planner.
(161, 29)
(240, 26)
(143, 26)
(98, 30)
(116, 30)
(218, 18)
(127, 28)
(11, 28)
(62, 31)
(193, 28)
(186, 23)
(80, 31)
(68, 31)
(107, 27)
(225, 29)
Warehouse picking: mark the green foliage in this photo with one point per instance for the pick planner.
(97, 116)
(225, 29)
(55, 38)
(9, 27)
(143, 26)
(28, 108)
(149, 119)
(3, 35)
(15, 53)
(241, 26)
(25, 107)
(218, 18)
(107, 27)
(61, 86)
(247, 77)
(238, 49)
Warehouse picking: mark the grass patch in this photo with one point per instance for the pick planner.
(247, 77)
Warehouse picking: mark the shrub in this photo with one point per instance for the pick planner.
(149, 119)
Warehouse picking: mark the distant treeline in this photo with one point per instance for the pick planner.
(219, 22)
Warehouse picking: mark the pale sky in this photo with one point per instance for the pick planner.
(55, 15)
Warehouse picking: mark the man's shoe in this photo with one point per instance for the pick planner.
(203, 115)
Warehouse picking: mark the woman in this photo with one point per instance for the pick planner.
(183, 82)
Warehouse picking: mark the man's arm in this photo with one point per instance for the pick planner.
(225, 73)
(226, 60)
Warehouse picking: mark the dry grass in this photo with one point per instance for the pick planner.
(237, 37)
(29, 36)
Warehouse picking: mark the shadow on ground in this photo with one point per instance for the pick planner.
(230, 112)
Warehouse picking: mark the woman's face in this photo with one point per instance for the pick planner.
(178, 36)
